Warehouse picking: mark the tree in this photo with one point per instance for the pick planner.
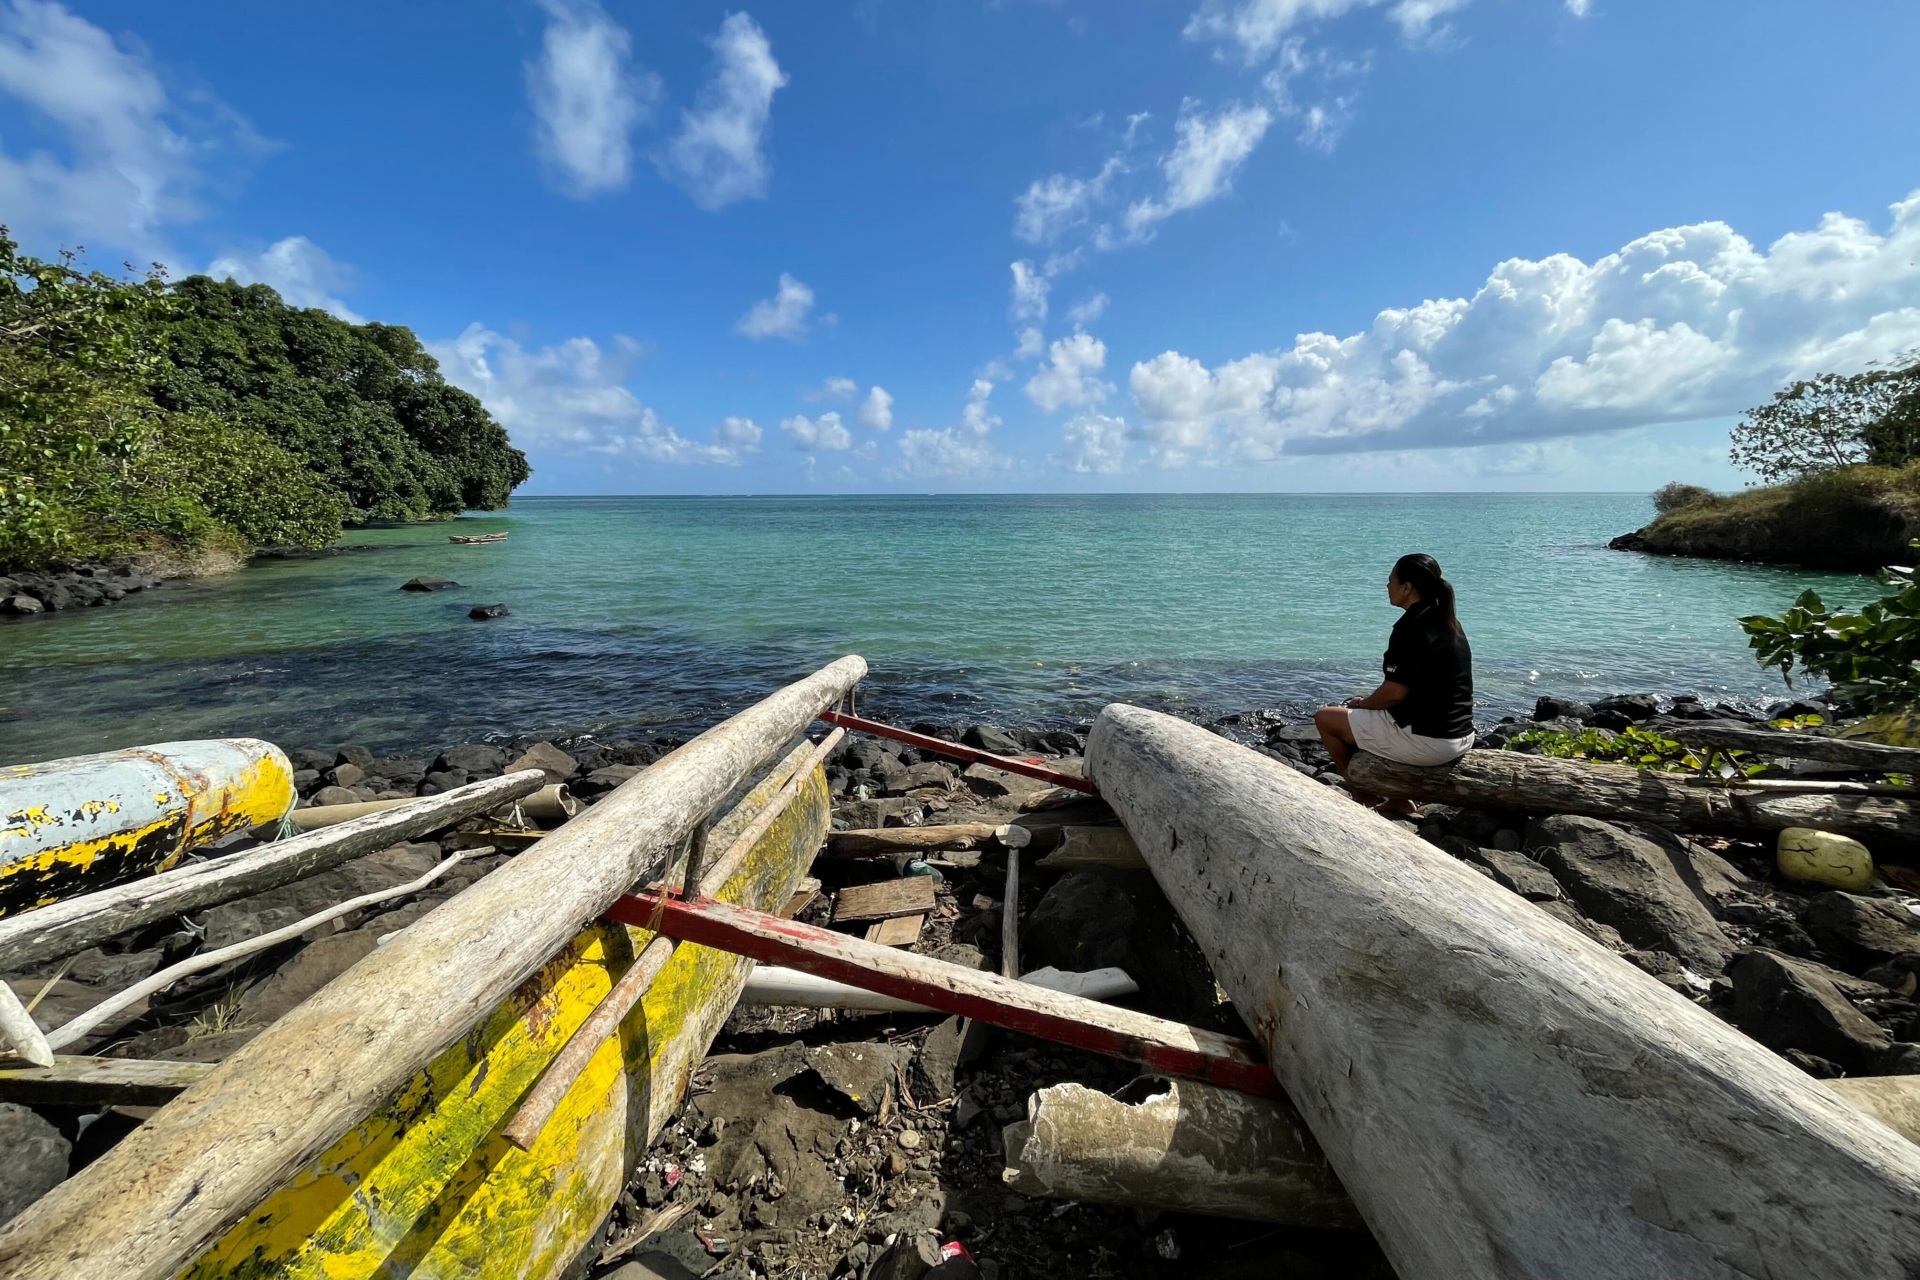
(1817, 424)
(1872, 657)
(1676, 496)
(1893, 439)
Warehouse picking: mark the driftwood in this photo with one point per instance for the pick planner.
(1500, 1095)
(78, 923)
(1094, 847)
(156, 1201)
(881, 842)
(1729, 735)
(1548, 784)
(884, 899)
(72, 1032)
(19, 1032)
(1176, 1145)
(76, 1081)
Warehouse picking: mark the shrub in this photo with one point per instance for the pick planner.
(1872, 657)
(1641, 748)
(1669, 498)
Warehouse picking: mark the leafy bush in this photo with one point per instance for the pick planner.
(1872, 658)
(1825, 423)
(1669, 498)
(1641, 748)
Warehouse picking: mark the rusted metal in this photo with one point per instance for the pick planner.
(1168, 1047)
(960, 751)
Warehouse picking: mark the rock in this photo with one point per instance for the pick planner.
(549, 759)
(603, 780)
(1096, 917)
(860, 1073)
(334, 795)
(939, 1058)
(317, 964)
(1634, 707)
(1786, 1003)
(653, 1265)
(345, 775)
(249, 917)
(20, 606)
(1642, 882)
(485, 612)
(909, 1140)
(305, 780)
(932, 774)
(985, 780)
(1519, 873)
(36, 1158)
(479, 759)
(354, 754)
(908, 1258)
(1777, 928)
(988, 738)
(1566, 913)
(1821, 857)
(443, 780)
(113, 970)
(1864, 930)
(890, 811)
(1901, 1059)
(1551, 707)
(428, 584)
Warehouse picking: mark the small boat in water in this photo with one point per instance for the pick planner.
(470, 538)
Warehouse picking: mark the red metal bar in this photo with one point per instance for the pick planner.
(1169, 1047)
(959, 751)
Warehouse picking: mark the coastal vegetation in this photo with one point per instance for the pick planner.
(139, 415)
(1841, 458)
(1871, 657)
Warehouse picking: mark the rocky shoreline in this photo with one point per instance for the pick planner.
(837, 1143)
(60, 588)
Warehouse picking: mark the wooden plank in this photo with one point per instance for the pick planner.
(959, 751)
(882, 842)
(896, 931)
(1730, 735)
(1010, 919)
(987, 997)
(1547, 784)
(78, 923)
(1500, 1095)
(169, 1190)
(803, 897)
(77, 1081)
(1094, 847)
(906, 896)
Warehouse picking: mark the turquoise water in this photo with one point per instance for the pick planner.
(661, 614)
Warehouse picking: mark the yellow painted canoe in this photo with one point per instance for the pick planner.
(427, 1188)
(83, 823)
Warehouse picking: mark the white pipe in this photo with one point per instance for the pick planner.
(773, 985)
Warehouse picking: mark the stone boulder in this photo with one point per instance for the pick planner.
(1551, 707)
(479, 759)
(487, 612)
(988, 738)
(549, 759)
(1633, 707)
(1098, 917)
(1786, 1003)
(1518, 872)
(1866, 931)
(36, 1158)
(429, 584)
(1641, 881)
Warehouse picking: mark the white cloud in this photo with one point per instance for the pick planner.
(1258, 27)
(134, 157)
(1030, 343)
(298, 269)
(1202, 164)
(1057, 203)
(784, 315)
(1069, 378)
(876, 411)
(1579, 8)
(964, 451)
(585, 100)
(835, 388)
(1029, 292)
(1683, 324)
(571, 397)
(1087, 310)
(826, 432)
(719, 155)
(1093, 444)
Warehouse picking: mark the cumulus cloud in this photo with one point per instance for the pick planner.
(585, 99)
(1070, 376)
(132, 158)
(876, 411)
(784, 315)
(1202, 164)
(832, 389)
(1030, 289)
(825, 433)
(963, 452)
(1029, 343)
(1256, 28)
(1093, 444)
(1087, 310)
(572, 396)
(719, 155)
(298, 269)
(1055, 204)
(1682, 324)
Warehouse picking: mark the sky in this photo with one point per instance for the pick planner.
(1025, 245)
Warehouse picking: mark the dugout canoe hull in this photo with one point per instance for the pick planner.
(426, 1187)
(86, 822)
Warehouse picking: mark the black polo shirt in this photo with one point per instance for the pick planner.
(1436, 665)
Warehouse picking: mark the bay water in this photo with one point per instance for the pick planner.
(659, 616)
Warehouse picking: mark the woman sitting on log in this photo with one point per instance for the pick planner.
(1422, 713)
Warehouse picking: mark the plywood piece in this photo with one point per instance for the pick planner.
(802, 897)
(896, 931)
(907, 896)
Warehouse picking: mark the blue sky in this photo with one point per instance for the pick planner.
(1018, 245)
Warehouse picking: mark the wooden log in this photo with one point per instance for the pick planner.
(153, 1203)
(1548, 784)
(1176, 1145)
(884, 841)
(1731, 735)
(78, 923)
(1094, 847)
(1010, 919)
(907, 896)
(19, 1033)
(76, 1081)
(1892, 1100)
(1500, 1095)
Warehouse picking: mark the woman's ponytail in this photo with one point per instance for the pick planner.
(1422, 573)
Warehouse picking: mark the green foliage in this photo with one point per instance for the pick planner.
(1832, 421)
(1641, 748)
(1872, 658)
(1669, 498)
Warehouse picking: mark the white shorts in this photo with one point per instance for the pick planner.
(1378, 732)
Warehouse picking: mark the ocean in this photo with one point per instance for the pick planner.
(658, 616)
